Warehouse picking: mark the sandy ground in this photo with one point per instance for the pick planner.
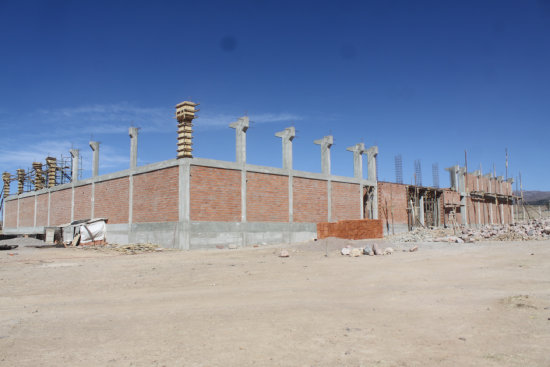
(445, 305)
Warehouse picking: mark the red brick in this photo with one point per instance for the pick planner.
(83, 202)
(215, 194)
(310, 200)
(60, 207)
(111, 200)
(156, 196)
(345, 201)
(266, 198)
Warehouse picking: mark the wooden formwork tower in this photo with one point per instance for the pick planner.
(52, 168)
(38, 176)
(185, 114)
(6, 177)
(20, 180)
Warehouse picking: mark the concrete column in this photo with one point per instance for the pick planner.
(287, 135)
(478, 204)
(184, 205)
(95, 161)
(325, 143)
(358, 150)
(490, 189)
(240, 126)
(372, 153)
(133, 132)
(421, 209)
(74, 174)
(453, 177)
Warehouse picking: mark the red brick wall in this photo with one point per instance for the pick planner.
(42, 210)
(266, 197)
(393, 195)
(60, 207)
(83, 202)
(26, 212)
(346, 201)
(471, 182)
(11, 213)
(215, 194)
(310, 200)
(351, 229)
(111, 200)
(156, 196)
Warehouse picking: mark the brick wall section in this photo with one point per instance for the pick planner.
(111, 200)
(393, 195)
(266, 198)
(83, 202)
(351, 229)
(310, 200)
(215, 194)
(60, 207)
(156, 196)
(10, 207)
(26, 212)
(42, 210)
(346, 202)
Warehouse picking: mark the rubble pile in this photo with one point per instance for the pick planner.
(536, 229)
(130, 249)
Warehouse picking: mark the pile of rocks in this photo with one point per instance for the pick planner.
(130, 249)
(536, 229)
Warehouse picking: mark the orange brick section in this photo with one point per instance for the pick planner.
(111, 200)
(11, 214)
(393, 196)
(351, 229)
(310, 200)
(60, 207)
(83, 202)
(26, 212)
(156, 196)
(266, 198)
(42, 210)
(215, 194)
(346, 202)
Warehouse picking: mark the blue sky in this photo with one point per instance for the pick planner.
(424, 79)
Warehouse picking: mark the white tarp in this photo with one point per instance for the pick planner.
(94, 231)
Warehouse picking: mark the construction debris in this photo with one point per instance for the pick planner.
(525, 231)
(130, 249)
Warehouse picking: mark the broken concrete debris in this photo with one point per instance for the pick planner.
(369, 250)
(536, 229)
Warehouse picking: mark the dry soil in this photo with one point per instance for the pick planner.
(444, 305)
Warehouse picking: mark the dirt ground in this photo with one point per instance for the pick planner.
(445, 305)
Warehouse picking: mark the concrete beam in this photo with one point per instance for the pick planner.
(95, 160)
(372, 153)
(74, 174)
(358, 150)
(287, 135)
(325, 143)
(133, 132)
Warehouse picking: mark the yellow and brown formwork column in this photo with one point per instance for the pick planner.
(185, 114)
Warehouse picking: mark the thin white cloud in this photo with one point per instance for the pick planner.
(223, 120)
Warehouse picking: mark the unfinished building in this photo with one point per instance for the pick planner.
(472, 200)
(191, 202)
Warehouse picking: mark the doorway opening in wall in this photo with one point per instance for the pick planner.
(423, 207)
(368, 202)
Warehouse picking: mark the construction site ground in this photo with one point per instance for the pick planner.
(447, 304)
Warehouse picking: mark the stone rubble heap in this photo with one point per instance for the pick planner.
(535, 229)
(130, 249)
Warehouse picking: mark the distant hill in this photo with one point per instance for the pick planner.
(535, 197)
